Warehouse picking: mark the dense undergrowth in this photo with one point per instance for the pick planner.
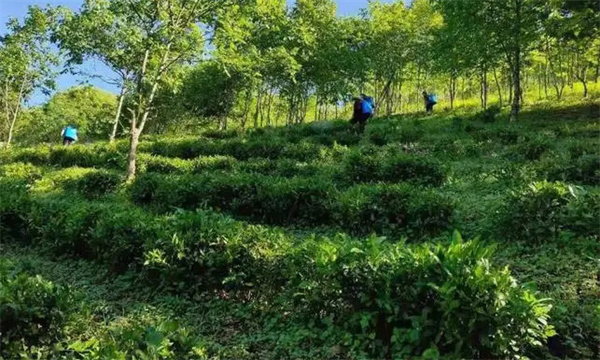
(310, 242)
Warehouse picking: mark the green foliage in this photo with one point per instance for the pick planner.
(137, 339)
(33, 312)
(394, 209)
(89, 109)
(19, 170)
(98, 183)
(584, 170)
(360, 166)
(380, 298)
(539, 213)
(489, 115)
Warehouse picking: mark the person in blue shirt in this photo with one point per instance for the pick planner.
(367, 108)
(69, 135)
(430, 100)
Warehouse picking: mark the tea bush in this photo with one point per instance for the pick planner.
(364, 290)
(360, 167)
(98, 183)
(532, 148)
(138, 339)
(582, 170)
(536, 213)
(33, 312)
(384, 300)
(388, 209)
(18, 170)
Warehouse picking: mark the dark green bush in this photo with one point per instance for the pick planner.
(32, 313)
(14, 207)
(98, 183)
(490, 114)
(385, 300)
(412, 169)
(306, 201)
(361, 167)
(532, 149)
(141, 339)
(393, 209)
(535, 214)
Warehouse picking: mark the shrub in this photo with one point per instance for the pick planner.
(141, 339)
(106, 156)
(582, 213)
(296, 201)
(393, 209)
(359, 166)
(413, 169)
(535, 213)
(362, 167)
(23, 171)
(98, 183)
(37, 155)
(14, 206)
(532, 149)
(490, 114)
(32, 313)
(164, 165)
(583, 170)
(385, 300)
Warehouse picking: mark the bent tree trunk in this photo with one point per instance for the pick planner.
(113, 133)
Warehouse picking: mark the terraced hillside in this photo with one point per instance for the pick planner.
(310, 242)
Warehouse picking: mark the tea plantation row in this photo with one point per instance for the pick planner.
(354, 291)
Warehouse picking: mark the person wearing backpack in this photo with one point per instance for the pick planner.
(430, 100)
(367, 109)
(69, 135)
(357, 110)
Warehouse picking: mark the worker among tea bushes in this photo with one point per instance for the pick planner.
(363, 111)
(430, 100)
(69, 135)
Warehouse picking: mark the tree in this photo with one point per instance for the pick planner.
(98, 33)
(88, 108)
(27, 62)
(157, 36)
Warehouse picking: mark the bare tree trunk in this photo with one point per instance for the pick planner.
(11, 130)
(257, 111)
(583, 78)
(498, 87)
(247, 104)
(132, 156)
(516, 103)
(113, 133)
(269, 101)
(483, 89)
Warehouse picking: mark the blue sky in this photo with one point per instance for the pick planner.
(18, 8)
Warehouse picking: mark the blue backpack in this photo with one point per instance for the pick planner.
(70, 132)
(433, 98)
(367, 105)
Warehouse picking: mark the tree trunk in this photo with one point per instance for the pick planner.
(516, 68)
(516, 97)
(113, 134)
(132, 157)
(257, 111)
(583, 78)
(11, 130)
(483, 93)
(498, 87)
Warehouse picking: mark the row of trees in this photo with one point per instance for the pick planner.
(258, 61)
